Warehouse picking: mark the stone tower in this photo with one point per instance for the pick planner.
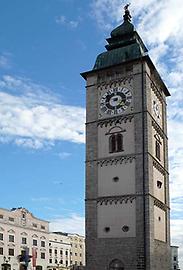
(127, 186)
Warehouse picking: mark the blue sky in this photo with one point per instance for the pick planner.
(44, 45)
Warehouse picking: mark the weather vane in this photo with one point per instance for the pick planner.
(126, 7)
(127, 16)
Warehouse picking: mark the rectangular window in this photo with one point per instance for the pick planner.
(1, 251)
(55, 251)
(174, 258)
(157, 147)
(157, 150)
(50, 251)
(11, 219)
(66, 263)
(66, 252)
(50, 260)
(34, 242)
(42, 243)
(11, 252)
(76, 254)
(24, 240)
(34, 225)
(11, 238)
(61, 252)
(1, 236)
(42, 227)
(1, 216)
(42, 255)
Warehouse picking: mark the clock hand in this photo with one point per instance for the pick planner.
(122, 102)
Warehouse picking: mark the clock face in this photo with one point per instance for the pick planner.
(156, 109)
(116, 100)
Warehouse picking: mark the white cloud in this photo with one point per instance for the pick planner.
(35, 118)
(5, 61)
(159, 23)
(62, 20)
(106, 13)
(156, 20)
(64, 155)
(71, 224)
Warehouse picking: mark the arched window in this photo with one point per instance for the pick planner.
(116, 265)
(116, 143)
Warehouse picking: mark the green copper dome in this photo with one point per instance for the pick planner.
(123, 29)
(123, 45)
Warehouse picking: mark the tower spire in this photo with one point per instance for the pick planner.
(127, 16)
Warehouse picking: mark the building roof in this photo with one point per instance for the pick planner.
(20, 209)
(124, 46)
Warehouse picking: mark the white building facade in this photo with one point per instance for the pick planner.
(77, 257)
(21, 233)
(175, 258)
(59, 251)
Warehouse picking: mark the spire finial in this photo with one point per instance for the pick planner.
(127, 16)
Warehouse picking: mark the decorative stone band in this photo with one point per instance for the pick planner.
(11, 245)
(116, 160)
(115, 82)
(159, 130)
(159, 167)
(116, 199)
(43, 249)
(157, 92)
(160, 205)
(115, 121)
